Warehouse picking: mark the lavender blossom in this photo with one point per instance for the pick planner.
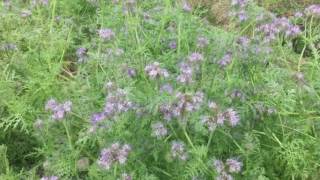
(298, 15)
(183, 103)
(178, 150)
(106, 34)
(313, 10)
(97, 117)
(224, 176)
(278, 26)
(186, 6)
(155, 71)
(172, 44)
(202, 42)
(239, 3)
(59, 110)
(195, 57)
(131, 72)
(226, 60)
(234, 165)
(219, 165)
(186, 72)
(82, 54)
(232, 116)
(159, 130)
(210, 122)
(166, 88)
(114, 154)
(50, 178)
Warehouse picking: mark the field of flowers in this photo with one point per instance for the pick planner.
(158, 90)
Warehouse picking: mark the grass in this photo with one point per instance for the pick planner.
(272, 88)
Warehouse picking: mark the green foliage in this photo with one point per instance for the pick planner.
(279, 144)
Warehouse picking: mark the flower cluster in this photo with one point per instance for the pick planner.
(159, 130)
(183, 103)
(116, 103)
(278, 26)
(186, 73)
(239, 9)
(50, 178)
(115, 153)
(82, 54)
(202, 42)
(230, 166)
(178, 150)
(166, 88)
(225, 60)
(186, 6)
(59, 110)
(106, 34)
(155, 71)
(188, 67)
(313, 10)
(219, 118)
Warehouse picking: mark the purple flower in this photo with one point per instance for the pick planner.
(244, 42)
(58, 110)
(50, 178)
(226, 60)
(172, 44)
(202, 42)
(114, 154)
(270, 31)
(220, 118)
(97, 117)
(219, 165)
(51, 104)
(242, 15)
(178, 150)
(166, 88)
(106, 34)
(159, 130)
(298, 15)
(82, 54)
(155, 71)
(232, 116)
(240, 3)
(231, 166)
(234, 165)
(182, 104)
(313, 10)
(131, 72)
(210, 122)
(186, 72)
(224, 176)
(186, 6)
(195, 57)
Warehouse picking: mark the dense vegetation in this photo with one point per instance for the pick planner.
(158, 89)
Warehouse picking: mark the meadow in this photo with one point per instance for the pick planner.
(159, 90)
